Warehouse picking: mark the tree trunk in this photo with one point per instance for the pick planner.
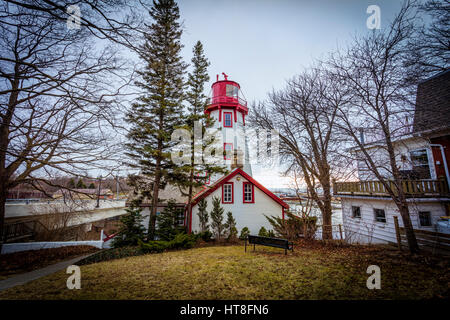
(327, 229)
(189, 206)
(3, 195)
(407, 224)
(152, 219)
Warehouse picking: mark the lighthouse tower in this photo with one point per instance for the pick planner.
(228, 108)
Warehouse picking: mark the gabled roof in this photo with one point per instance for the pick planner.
(207, 191)
(433, 103)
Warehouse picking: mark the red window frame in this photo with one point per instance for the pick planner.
(243, 192)
(232, 192)
(207, 175)
(225, 149)
(225, 121)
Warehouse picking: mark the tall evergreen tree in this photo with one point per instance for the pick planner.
(158, 110)
(167, 222)
(217, 218)
(203, 215)
(197, 173)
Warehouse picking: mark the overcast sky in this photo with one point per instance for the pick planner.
(262, 43)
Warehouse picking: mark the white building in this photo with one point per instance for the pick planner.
(240, 194)
(247, 200)
(422, 157)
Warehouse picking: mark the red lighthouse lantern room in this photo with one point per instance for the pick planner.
(226, 97)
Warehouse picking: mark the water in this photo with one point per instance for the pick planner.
(336, 217)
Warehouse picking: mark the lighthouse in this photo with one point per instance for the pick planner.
(228, 108)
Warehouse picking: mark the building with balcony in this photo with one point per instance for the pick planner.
(422, 156)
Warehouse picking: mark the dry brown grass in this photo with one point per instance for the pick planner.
(20, 262)
(313, 271)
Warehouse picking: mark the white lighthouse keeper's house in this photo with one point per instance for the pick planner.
(239, 192)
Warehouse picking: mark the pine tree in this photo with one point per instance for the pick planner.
(203, 215)
(244, 233)
(80, 184)
(217, 218)
(263, 232)
(167, 226)
(131, 229)
(158, 110)
(197, 102)
(230, 227)
(92, 186)
(71, 183)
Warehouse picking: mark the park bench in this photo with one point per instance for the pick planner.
(270, 242)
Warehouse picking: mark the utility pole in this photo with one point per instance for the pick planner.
(98, 192)
(117, 187)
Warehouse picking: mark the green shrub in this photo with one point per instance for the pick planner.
(167, 222)
(205, 236)
(131, 229)
(111, 254)
(230, 228)
(155, 246)
(263, 232)
(244, 233)
(181, 241)
(271, 234)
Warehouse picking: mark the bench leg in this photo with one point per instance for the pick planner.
(254, 247)
(285, 251)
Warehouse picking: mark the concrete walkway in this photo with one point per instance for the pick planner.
(36, 274)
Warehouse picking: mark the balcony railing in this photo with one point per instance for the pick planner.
(411, 188)
(226, 99)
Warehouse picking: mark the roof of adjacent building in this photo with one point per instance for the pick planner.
(432, 110)
(210, 189)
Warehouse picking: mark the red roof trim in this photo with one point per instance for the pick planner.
(224, 179)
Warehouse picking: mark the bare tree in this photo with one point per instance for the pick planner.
(119, 21)
(304, 115)
(381, 102)
(60, 93)
(430, 47)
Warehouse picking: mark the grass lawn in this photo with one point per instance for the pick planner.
(227, 272)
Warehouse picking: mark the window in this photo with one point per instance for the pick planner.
(380, 216)
(356, 212)
(228, 148)
(248, 193)
(232, 91)
(420, 166)
(425, 218)
(228, 119)
(227, 193)
(180, 218)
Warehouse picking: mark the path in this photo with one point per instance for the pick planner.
(36, 274)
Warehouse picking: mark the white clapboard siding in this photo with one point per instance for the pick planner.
(367, 230)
